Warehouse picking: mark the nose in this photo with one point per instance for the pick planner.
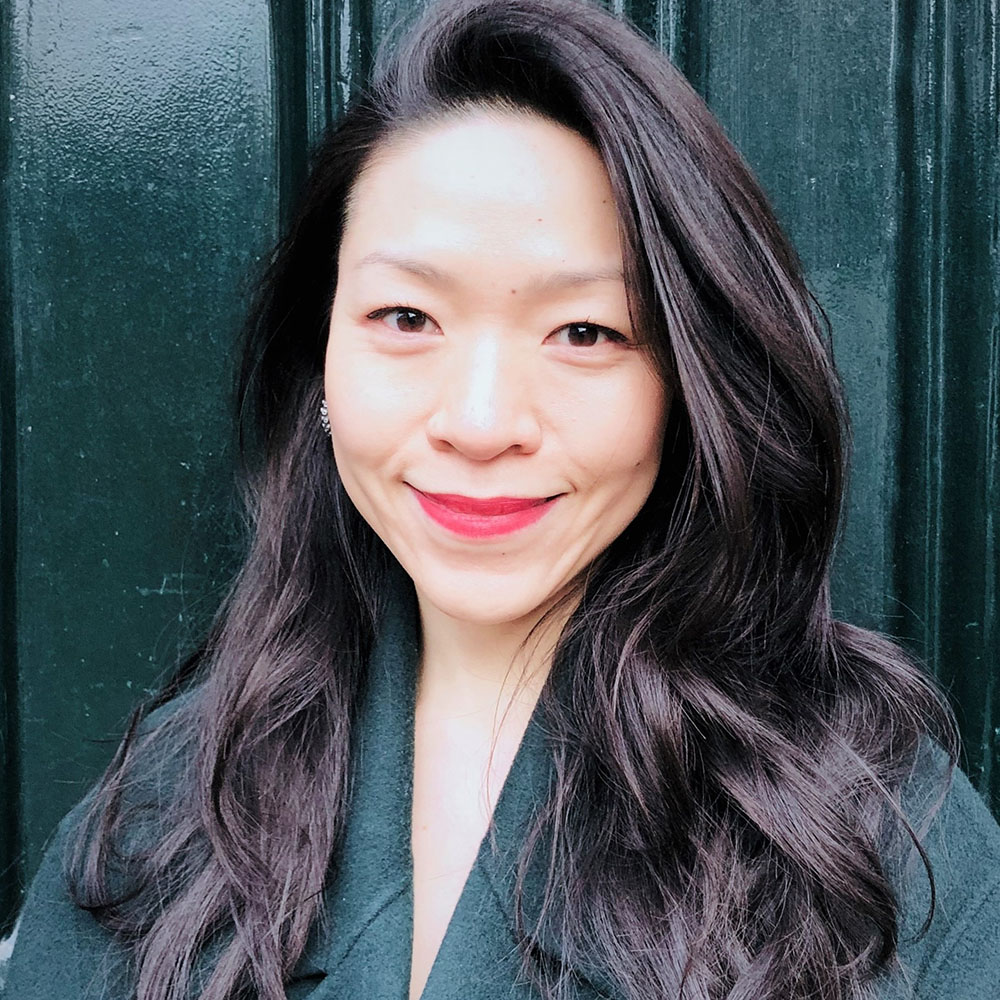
(484, 404)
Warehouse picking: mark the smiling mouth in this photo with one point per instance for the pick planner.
(476, 517)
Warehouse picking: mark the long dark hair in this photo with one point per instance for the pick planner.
(728, 757)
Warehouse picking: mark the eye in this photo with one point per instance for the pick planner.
(402, 319)
(588, 335)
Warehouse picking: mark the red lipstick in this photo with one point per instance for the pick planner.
(482, 517)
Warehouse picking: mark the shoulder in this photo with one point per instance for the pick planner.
(59, 949)
(958, 953)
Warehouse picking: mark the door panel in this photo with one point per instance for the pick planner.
(139, 192)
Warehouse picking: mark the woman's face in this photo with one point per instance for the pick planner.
(492, 418)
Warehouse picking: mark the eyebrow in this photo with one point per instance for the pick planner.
(421, 269)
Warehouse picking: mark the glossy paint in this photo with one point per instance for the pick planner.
(139, 193)
(148, 153)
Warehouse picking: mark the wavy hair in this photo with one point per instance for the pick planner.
(728, 756)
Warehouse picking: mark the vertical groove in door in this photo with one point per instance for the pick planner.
(320, 51)
(291, 106)
(990, 733)
(946, 301)
(918, 248)
(676, 26)
(692, 44)
(320, 69)
(920, 340)
(345, 35)
(672, 29)
(991, 578)
(661, 21)
(10, 819)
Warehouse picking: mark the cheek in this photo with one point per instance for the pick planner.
(621, 441)
(358, 416)
(373, 411)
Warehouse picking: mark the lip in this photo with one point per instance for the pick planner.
(483, 517)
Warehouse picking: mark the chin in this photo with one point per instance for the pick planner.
(489, 611)
(486, 602)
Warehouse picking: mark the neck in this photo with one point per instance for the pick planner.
(472, 667)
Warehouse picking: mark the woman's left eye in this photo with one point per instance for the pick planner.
(588, 335)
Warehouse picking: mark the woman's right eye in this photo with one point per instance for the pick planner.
(402, 319)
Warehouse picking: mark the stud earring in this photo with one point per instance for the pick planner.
(324, 418)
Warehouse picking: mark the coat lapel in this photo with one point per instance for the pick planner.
(361, 944)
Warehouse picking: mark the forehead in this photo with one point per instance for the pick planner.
(488, 178)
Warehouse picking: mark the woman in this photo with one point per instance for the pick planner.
(530, 684)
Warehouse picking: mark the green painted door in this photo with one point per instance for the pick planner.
(149, 151)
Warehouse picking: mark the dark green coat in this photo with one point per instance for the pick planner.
(62, 954)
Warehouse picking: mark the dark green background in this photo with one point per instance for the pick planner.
(149, 149)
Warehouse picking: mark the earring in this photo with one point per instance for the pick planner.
(324, 418)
